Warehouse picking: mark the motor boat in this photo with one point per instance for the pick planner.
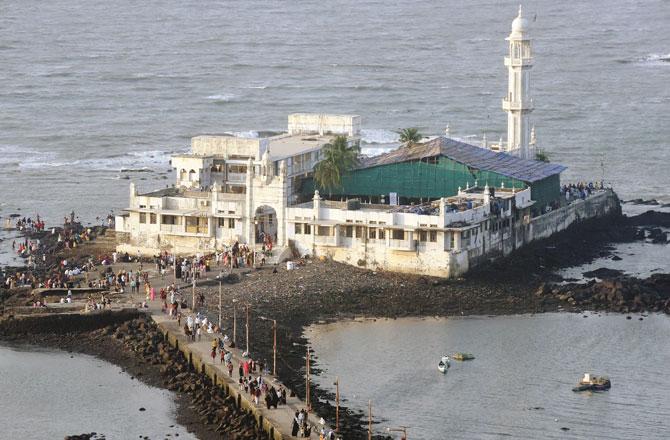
(463, 356)
(593, 383)
(443, 365)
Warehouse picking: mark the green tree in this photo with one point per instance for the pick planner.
(409, 136)
(542, 156)
(337, 159)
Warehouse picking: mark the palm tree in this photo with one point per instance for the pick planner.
(409, 136)
(542, 156)
(338, 158)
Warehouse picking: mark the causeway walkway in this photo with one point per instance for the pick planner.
(278, 421)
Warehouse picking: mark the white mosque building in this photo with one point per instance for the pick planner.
(489, 201)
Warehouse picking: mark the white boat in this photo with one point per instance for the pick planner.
(443, 365)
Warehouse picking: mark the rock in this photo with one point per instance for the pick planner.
(142, 409)
(603, 273)
(616, 258)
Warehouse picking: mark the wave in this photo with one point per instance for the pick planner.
(263, 87)
(130, 162)
(378, 136)
(651, 59)
(654, 58)
(221, 98)
(249, 134)
(376, 151)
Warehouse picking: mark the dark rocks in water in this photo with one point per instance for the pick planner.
(142, 409)
(14, 215)
(565, 429)
(652, 202)
(616, 258)
(651, 218)
(629, 317)
(603, 273)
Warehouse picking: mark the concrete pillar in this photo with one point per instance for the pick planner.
(249, 220)
(457, 240)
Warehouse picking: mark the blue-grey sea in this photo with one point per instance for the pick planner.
(94, 95)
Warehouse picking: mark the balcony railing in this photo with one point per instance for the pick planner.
(325, 240)
(236, 177)
(172, 229)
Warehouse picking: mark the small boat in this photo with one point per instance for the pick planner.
(463, 356)
(593, 383)
(443, 365)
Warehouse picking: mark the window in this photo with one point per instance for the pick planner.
(372, 234)
(152, 219)
(432, 236)
(307, 229)
(231, 223)
(423, 236)
(359, 232)
(323, 231)
(222, 222)
(143, 217)
(398, 234)
(381, 234)
(348, 231)
(298, 228)
(169, 220)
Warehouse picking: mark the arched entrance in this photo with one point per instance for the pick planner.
(265, 224)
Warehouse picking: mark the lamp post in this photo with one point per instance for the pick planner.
(247, 328)
(193, 294)
(337, 404)
(309, 408)
(274, 343)
(220, 287)
(402, 429)
(234, 323)
(369, 419)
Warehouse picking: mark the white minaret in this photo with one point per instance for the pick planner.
(518, 103)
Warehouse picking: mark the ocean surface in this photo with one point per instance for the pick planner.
(49, 394)
(94, 95)
(520, 383)
(93, 92)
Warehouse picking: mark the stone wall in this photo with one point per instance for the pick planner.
(430, 259)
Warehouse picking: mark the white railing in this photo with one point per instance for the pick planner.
(236, 177)
(327, 240)
(400, 244)
(172, 229)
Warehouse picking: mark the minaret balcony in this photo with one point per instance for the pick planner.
(509, 105)
(519, 62)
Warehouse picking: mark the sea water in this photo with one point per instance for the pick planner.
(52, 394)
(518, 386)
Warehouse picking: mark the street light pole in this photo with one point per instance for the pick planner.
(220, 305)
(369, 419)
(247, 325)
(234, 323)
(194, 294)
(274, 347)
(307, 383)
(337, 404)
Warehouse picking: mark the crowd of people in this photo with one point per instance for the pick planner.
(580, 190)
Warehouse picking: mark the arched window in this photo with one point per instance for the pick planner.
(191, 176)
(182, 175)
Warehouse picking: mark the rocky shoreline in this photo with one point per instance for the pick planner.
(134, 343)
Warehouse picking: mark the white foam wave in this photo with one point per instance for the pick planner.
(378, 136)
(134, 161)
(376, 151)
(221, 98)
(250, 134)
(654, 58)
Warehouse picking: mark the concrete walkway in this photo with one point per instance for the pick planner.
(281, 418)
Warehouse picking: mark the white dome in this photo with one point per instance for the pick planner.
(520, 24)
